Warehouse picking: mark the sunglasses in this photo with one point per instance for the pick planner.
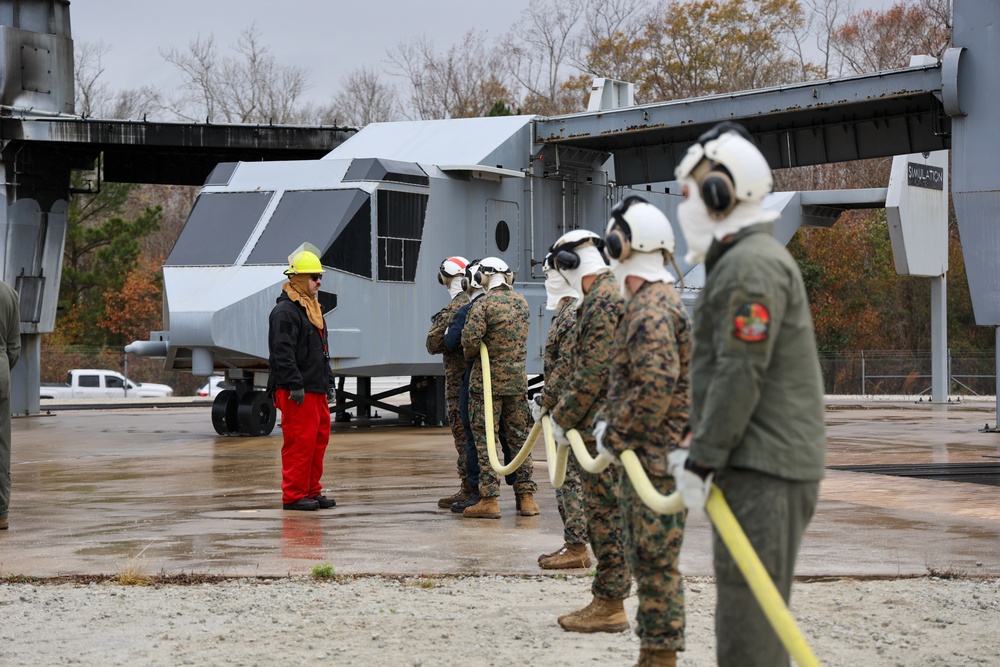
(316, 277)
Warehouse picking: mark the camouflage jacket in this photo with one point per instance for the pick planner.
(648, 389)
(454, 361)
(587, 384)
(559, 352)
(500, 319)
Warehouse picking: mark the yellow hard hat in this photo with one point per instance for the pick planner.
(304, 262)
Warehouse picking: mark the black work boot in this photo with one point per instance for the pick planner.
(302, 504)
(472, 499)
(324, 502)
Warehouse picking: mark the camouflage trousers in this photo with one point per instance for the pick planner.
(653, 545)
(604, 528)
(569, 498)
(457, 432)
(513, 409)
(773, 513)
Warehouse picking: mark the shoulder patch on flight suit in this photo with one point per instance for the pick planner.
(751, 322)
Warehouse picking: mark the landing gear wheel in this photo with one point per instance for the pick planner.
(256, 414)
(224, 412)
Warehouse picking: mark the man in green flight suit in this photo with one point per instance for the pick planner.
(757, 414)
(10, 350)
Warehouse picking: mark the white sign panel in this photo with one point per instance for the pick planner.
(916, 206)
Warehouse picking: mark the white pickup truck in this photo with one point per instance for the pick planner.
(92, 383)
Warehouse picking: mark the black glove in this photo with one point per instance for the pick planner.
(297, 395)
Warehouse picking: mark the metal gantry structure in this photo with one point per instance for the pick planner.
(385, 204)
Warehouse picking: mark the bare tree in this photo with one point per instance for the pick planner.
(95, 99)
(250, 86)
(870, 41)
(466, 81)
(611, 44)
(815, 34)
(363, 98)
(539, 48)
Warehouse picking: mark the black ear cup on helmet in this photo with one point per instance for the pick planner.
(717, 191)
(566, 260)
(618, 244)
(619, 240)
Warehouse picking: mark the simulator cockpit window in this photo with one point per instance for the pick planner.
(337, 221)
(218, 228)
(400, 228)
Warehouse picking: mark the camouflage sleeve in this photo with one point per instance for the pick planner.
(643, 402)
(557, 378)
(439, 325)
(595, 334)
(474, 329)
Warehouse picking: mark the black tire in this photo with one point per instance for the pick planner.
(225, 416)
(256, 413)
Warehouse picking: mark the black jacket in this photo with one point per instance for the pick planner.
(299, 355)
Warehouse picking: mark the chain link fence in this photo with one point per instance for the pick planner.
(973, 372)
(881, 372)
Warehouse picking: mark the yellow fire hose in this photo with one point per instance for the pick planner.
(718, 511)
(758, 579)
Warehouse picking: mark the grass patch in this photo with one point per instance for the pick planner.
(323, 571)
(946, 573)
(132, 571)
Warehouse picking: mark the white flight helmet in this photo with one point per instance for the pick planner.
(451, 267)
(490, 267)
(566, 253)
(578, 254)
(637, 226)
(473, 278)
(728, 169)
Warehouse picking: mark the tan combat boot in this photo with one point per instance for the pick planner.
(526, 505)
(571, 555)
(550, 554)
(486, 508)
(652, 657)
(463, 493)
(601, 615)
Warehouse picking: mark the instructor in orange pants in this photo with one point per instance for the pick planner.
(298, 381)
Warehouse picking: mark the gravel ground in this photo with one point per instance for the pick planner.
(462, 621)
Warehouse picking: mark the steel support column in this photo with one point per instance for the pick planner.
(940, 379)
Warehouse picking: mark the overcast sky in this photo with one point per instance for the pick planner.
(328, 37)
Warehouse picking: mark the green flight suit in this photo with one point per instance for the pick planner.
(10, 350)
(758, 418)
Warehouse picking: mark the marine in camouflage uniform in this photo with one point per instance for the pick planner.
(647, 411)
(500, 320)
(454, 368)
(597, 321)
(558, 362)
